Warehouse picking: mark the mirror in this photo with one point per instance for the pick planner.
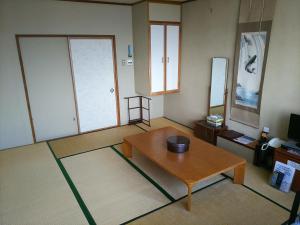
(218, 87)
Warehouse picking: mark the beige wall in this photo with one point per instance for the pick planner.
(281, 89)
(164, 12)
(282, 77)
(55, 17)
(208, 29)
(140, 38)
(282, 80)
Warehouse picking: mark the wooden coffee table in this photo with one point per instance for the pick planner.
(201, 162)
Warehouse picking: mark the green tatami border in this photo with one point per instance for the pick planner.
(80, 201)
(163, 191)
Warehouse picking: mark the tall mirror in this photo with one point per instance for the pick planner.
(218, 87)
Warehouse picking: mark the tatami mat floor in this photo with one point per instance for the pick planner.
(222, 203)
(33, 189)
(258, 179)
(164, 122)
(82, 143)
(113, 191)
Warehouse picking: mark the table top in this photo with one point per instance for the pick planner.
(286, 152)
(201, 161)
(231, 135)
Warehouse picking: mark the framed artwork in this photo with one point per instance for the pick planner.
(250, 61)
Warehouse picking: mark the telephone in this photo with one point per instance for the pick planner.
(274, 142)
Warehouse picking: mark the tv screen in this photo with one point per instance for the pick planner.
(294, 127)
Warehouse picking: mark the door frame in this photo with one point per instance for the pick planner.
(67, 36)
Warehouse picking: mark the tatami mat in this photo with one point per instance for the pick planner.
(171, 184)
(90, 141)
(258, 179)
(33, 190)
(222, 203)
(113, 191)
(163, 122)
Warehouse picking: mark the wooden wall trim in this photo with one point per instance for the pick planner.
(73, 85)
(25, 88)
(114, 52)
(187, 1)
(149, 49)
(129, 4)
(138, 2)
(165, 57)
(88, 36)
(179, 57)
(158, 22)
(165, 2)
(98, 2)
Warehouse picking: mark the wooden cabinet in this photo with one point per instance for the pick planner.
(282, 155)
(157, 41)
(164, 57)
(207, 132)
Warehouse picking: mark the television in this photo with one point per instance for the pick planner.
(294, 128)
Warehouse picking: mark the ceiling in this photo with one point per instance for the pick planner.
(123, 1)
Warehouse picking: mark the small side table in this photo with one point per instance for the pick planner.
(206, 132)
(226, 140)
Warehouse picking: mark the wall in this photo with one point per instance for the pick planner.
(282, 77)
(208, 30)
(55, 17)
(164, 12)
(251, 11)
(140, 38)
(282, 80)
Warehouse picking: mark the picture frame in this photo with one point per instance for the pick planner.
(249, 65)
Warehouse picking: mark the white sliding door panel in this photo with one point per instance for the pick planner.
(172, 57)
(49, 83)
(157, 58)
(93, 70)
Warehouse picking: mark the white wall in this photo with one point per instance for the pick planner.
(55, 17)
(208, 33)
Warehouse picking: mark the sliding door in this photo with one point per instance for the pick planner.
(95, 82)
(49, 83)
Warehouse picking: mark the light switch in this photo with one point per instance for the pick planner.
(129, 62)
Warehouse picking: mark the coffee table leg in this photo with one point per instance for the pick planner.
(239, 174)
(127, 149)
(189, 200)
